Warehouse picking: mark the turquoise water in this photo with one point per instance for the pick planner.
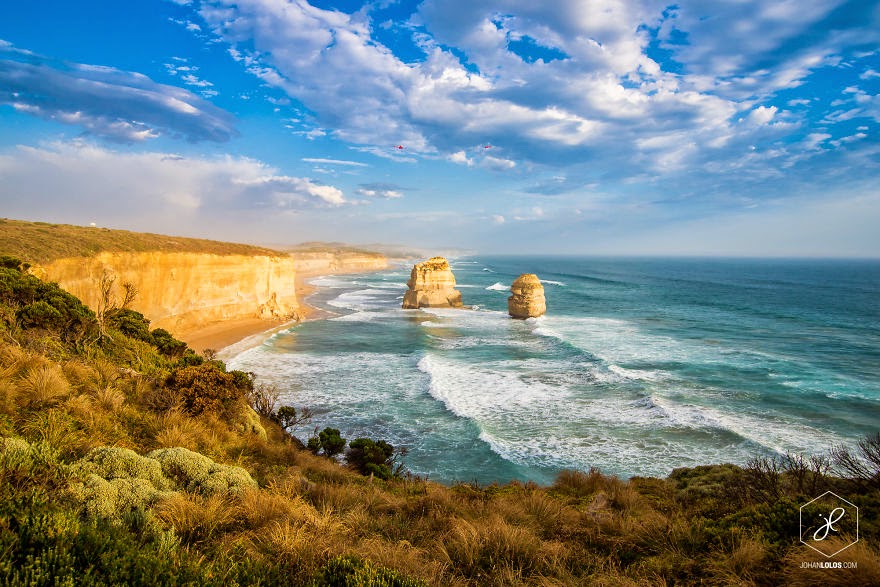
(640, 366)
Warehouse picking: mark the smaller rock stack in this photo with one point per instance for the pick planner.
(527, 300)
(432, 285)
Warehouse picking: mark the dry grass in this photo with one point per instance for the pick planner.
(741, 562)
(196, 518)
(41, 242)
(864, 555)
(8, 395)
(42, 385)
(57, 428)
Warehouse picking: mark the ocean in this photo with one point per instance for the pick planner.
(640, 365)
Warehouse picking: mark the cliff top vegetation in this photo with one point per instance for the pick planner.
(321, 248)
(42, 242)
(433, 264)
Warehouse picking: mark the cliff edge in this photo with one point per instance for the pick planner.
(432, 285)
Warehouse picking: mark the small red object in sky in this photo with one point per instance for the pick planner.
(487, 147)
(400, 147)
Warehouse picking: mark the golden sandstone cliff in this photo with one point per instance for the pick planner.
(183, 292)
(527, 299)
(432, 285)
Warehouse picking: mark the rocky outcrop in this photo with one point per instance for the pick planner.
(432, 285)
(184, 291)
(527, 299)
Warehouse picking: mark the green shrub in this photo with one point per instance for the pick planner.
(344, 571)
(329, 441)
(370, 457)
(44, 305)
(132, 324)
(15, 453)
(111, 462)
(8, 262)
(167, 344)
(195, 472)
(18, 453)
(206, 389)
(113, 499)
(39, 315)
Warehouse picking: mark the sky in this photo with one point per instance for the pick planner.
(608, 127)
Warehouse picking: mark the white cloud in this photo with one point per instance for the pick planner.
(601, 103)
(762, 115)
(334, 162)
(380, 190)
(110, 103)
(497, 163)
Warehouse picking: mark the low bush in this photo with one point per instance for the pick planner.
(369, 457)
(194, 472)
(206, 389)
(328, 442)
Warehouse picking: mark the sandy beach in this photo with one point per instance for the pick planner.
(219, 335)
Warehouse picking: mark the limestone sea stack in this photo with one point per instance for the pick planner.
(432, 285)
(527, 300)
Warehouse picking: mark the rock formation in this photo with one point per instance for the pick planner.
(527, 300)
(184, 291)
(432, 285)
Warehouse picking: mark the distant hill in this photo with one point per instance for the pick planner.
(41, 242)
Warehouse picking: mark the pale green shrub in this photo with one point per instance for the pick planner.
(111, 499)
(18, 453)
(110, 462)
(197, 473)
(15, 453)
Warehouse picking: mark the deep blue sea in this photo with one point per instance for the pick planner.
(640, 365)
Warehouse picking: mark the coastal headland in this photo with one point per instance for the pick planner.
(209, 294)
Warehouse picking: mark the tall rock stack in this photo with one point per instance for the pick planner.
(432, 285)
(527, 299)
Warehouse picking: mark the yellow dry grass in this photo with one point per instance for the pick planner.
(41, 242)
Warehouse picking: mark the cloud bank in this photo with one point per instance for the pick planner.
(78, 181)
(625, 89)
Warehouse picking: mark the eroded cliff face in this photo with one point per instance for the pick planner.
(432, 285)
(184, 291)
(318, 263)
(527, 297)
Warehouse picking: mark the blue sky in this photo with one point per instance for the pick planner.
(573, 126)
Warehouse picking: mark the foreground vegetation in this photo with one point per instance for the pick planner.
(127, 459)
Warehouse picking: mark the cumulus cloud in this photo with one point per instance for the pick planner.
(107, 102)
(559, 84)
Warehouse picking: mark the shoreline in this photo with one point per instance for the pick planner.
(230, 337)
